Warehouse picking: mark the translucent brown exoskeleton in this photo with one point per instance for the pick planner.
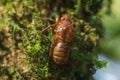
(64, 34)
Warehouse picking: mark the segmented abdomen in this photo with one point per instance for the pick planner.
(61, 53)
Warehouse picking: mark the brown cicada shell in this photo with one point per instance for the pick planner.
(61, 47)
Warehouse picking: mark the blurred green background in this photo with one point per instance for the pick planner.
(110, 44)
(111, 23)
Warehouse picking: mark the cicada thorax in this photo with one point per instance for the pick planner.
(61, 53)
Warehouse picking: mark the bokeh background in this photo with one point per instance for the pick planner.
(111, 44)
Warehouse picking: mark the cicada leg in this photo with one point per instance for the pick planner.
(51, 51)
(50, 26)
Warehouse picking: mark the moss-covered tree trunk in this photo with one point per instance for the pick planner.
(27, 54)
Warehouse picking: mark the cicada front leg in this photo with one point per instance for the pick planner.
(50, 26)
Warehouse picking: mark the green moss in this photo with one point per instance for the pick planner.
(25, 19)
